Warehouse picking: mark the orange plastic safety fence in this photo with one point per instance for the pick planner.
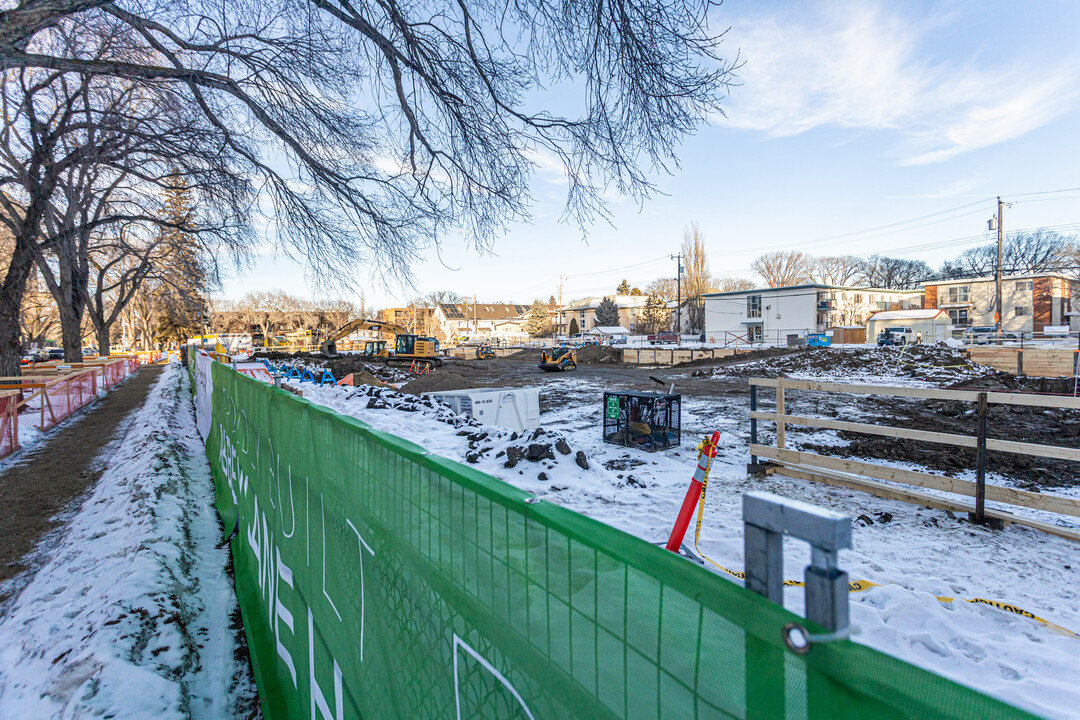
(63, 398)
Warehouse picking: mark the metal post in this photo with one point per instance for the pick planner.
(980, 462)
(755, 468)
(781, 426)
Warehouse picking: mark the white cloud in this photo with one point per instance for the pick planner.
(862, 66)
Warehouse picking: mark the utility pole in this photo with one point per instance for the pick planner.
(997, 222)
(678, 299)
(999, 230)
(475, 327)
(559, 316)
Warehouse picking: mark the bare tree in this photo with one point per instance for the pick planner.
(664, 288)
(697, 279)
(890, 273)
(1025, 252)
(449, 138)
(783, 268)
(834, 270)
(732, 284)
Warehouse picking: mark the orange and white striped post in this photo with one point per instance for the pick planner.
(701, 476)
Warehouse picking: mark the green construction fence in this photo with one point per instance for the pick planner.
(377, 580)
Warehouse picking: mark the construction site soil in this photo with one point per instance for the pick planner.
(724, 383)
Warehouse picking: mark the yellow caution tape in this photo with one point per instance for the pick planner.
(860, 585)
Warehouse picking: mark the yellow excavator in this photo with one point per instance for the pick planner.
(560, 359)
(408, 347)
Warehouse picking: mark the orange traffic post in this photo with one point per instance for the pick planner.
(701, 475)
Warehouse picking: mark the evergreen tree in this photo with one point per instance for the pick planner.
(624, 288)
(538, 323)
(180, 293)
(607, 315)
(656, 316)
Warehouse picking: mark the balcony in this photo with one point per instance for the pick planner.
(825, 305)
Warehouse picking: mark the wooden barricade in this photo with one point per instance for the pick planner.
(9, 422)
(1032, 361)
(865, 476)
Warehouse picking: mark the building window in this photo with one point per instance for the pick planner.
(857, 298)
(959, 317)
(753, 306)
(958, 293)
(1025, 286)
(753, 333)
(1022, 311)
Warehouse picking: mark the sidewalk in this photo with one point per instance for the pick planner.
(127, 609)
(39, 486)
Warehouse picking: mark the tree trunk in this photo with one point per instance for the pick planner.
(11, 298)
(71, 332)
(103, 333)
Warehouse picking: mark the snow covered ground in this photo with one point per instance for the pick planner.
(914, 553)
(132, 614)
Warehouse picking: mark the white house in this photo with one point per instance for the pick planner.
(932, 324)
(771, 314)
(486, 320)
(606, 333)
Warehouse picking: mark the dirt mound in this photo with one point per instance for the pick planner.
(595, 354)
(364, 377)
(530, 354)
(1007, 382)
(929, 363)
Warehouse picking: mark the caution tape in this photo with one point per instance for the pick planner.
(863, 585)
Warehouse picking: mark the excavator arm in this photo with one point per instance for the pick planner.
(328, 346)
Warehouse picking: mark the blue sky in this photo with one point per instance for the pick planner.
(848, 117)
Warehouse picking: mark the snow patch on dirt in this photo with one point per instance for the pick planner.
(914, 553)
(929, 365)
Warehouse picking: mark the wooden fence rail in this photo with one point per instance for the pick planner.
(853, 473)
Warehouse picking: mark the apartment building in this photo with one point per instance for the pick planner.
(580, 316)
(416, 320)
(769, 314)
(1029, 303)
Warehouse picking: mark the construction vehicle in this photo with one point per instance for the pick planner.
(559, 360)
(484, 352)
(374, 349)
(408, 348)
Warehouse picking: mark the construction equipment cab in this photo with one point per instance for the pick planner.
(559, 359)
(374, 349)
(484, 352)
(407, 347)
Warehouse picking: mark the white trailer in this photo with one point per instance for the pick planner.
(517, 409)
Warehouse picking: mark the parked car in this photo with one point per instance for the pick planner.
(899, 336)
(985, 334)
(663, 338)
(55, 354)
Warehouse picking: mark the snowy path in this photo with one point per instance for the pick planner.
(915, 553)
(132, 614)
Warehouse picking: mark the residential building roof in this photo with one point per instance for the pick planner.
(808, 286)
(908, 314)
(482, 311)
(621, 301)
(608, 330)
(992, 278)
